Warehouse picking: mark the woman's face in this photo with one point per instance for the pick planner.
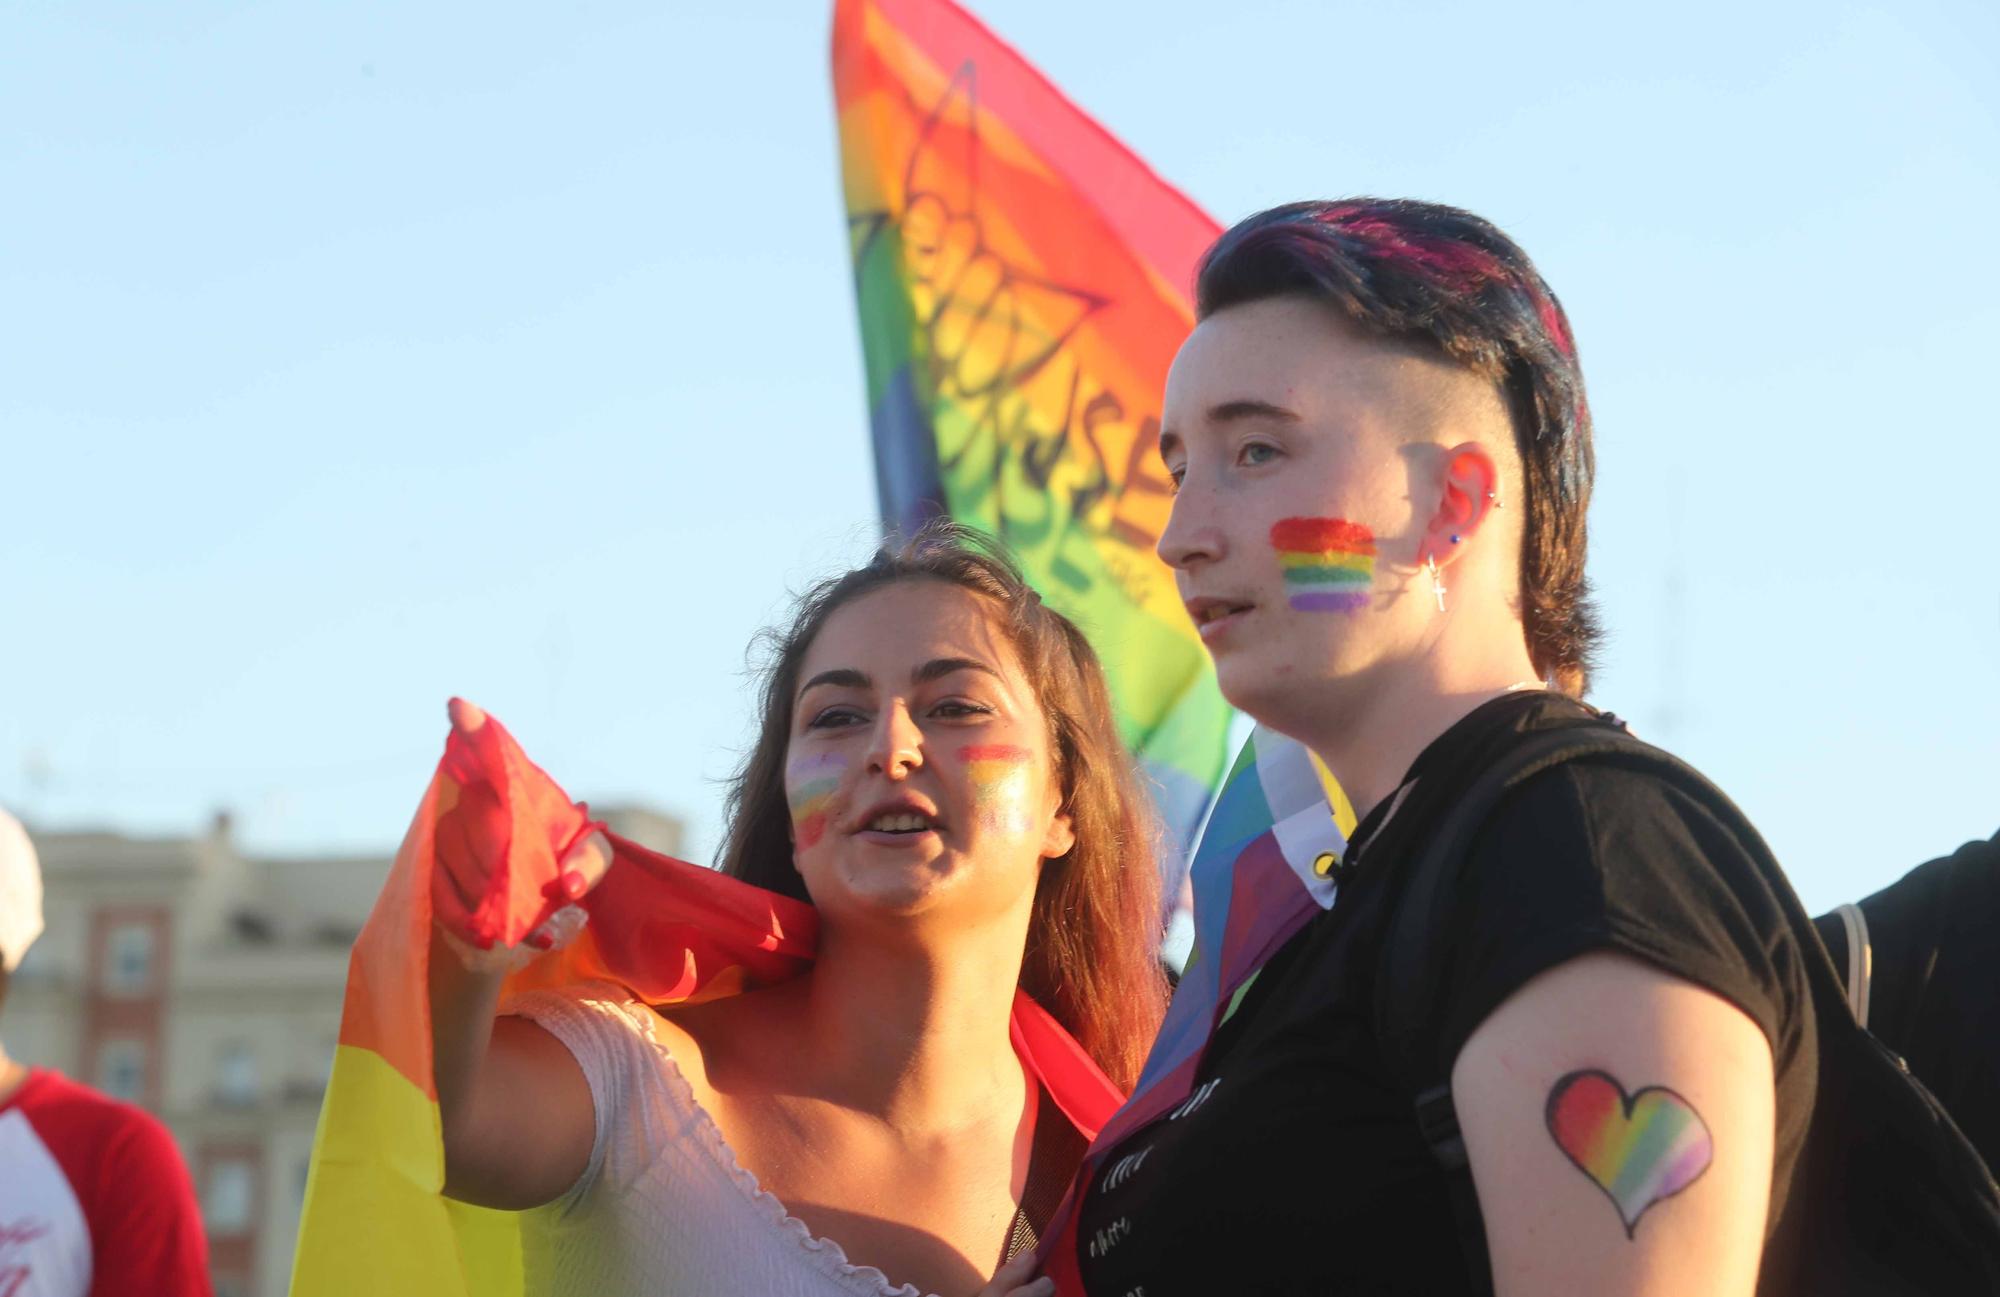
(919, 772)
(1304, 452)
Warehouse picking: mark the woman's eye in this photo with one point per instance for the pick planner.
(1177, 476)
(958, 707)
(834, 718)
(1257, 452)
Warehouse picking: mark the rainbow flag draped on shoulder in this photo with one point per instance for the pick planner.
(667, 932)
(1023, 282)
(1264, 869)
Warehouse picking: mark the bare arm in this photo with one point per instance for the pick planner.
(1620, 1123)
(514, 1105)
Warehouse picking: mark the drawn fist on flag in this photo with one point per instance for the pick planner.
(504, 896)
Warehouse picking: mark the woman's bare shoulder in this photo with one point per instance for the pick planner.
(727, 1042)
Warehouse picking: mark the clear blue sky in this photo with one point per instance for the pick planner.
(356, 355)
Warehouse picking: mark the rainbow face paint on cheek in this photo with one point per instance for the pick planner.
(1002, 790)
(1329, 563)
(810, 783)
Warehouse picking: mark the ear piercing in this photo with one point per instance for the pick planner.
(1437, 581)
(1454, 539)
(1495, 499)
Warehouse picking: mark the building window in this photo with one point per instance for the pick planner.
(236, 1075)
(128, 959)
(121, 1068)
(229, 1195)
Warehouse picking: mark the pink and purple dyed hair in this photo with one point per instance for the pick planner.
(1408, 269)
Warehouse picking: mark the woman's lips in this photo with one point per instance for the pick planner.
(886, 838)
(1214, 618)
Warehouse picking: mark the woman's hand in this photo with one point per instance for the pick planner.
(1011, 1280)
(472, 848)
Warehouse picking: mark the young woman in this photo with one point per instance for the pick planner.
(938, 771)
(1383, 460)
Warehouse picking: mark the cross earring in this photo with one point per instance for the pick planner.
(1437, 581)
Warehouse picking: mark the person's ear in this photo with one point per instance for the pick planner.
(1467, 496)
(1061, 837)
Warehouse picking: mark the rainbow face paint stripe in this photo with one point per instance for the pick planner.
(1329, 563)
(1638, 1149)
(810, 783)
(1001, 788)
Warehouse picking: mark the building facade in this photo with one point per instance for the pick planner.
(205, 985)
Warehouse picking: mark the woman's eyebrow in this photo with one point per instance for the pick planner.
(846, 677)
(939, 667)
(1246, 408)
(1229, 412)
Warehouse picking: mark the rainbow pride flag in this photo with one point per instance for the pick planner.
(375, 1221)
(1023, 283)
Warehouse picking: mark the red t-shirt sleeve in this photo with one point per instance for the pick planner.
(144, 1225)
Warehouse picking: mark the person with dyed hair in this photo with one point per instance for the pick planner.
(1382, 452)
(938, 772)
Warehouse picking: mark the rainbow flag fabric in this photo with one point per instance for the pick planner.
(375, 1221)
(1264, 868)
(1023, 282)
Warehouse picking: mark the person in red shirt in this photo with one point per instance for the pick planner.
(94, 1198)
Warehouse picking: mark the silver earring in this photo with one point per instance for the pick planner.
(1437, 581)
(1495, 499)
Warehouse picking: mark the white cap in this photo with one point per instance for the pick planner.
(20, 892)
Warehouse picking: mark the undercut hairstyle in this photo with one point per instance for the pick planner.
(1092, 958)
(1445, 278)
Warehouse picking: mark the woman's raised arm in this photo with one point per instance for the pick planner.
(515, 1107)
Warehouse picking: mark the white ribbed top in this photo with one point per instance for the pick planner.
(664, 1207)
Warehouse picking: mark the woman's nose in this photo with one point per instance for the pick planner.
(896, 746)
(1190, 537)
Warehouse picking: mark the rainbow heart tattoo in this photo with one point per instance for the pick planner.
(1001, 788)
(1638, 1148)
(809, 787)
(1329, 563)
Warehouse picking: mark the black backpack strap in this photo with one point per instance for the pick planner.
(1407, 985)
(1055, 1153)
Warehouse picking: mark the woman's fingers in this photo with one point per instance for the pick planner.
(1011, 1280)
(583, 866)
(466, 717)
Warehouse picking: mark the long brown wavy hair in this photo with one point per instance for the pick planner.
(1092, 958)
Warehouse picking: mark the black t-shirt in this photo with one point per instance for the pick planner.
(1296, 1166)
(1935, 993)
